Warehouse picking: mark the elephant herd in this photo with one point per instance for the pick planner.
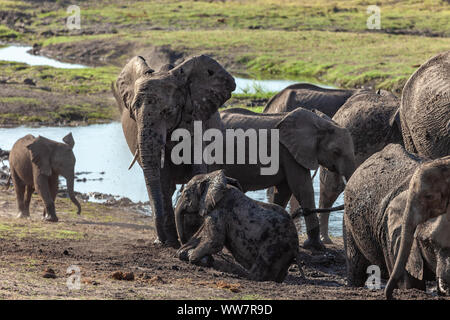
(390, 155)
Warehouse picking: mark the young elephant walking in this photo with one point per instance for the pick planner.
(35, 164)
(216, 213)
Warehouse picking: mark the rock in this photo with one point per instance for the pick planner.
(49, 273)
(29, 82)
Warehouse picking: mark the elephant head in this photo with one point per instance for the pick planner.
(322, 141)
(198, 198)
(50, 157)
(162, 101)
(428, 197)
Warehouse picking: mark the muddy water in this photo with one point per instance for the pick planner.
(102, 153)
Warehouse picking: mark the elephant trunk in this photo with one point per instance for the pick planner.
(70, 181)
(150, 157)
(409, 224)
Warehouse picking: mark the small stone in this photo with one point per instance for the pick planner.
(49, 273)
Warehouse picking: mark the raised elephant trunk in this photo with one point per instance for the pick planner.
(410, 221)
(69, 181)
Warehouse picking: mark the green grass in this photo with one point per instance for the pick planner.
(33, 230)
(309, 40)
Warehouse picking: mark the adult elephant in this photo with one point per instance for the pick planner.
(367, 116)
(310, 97)
(306, 139)
(154, 104)
(392, 204)
(425, 108)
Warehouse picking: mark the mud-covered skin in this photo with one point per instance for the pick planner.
(306, 139)
(367, 116)
(376, 197)
(35, 164)
(261, 237)
(153, 105)
(424, 110)
(310, 97)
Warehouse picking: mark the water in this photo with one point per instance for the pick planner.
(20, 54)
(102, 150)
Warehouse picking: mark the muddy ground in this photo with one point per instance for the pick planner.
(106, 242)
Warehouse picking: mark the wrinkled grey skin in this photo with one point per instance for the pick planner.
(424, 110)
(213, 213)
(310, 97)
(390, 203)
(35, 164)
(367, 116)
(306, 140)
(154, 104)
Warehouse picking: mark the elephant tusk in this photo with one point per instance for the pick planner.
(344, 180)
(134, 159)
(162, 157)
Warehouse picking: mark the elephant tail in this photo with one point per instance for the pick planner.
(306, 212)
(8, 183)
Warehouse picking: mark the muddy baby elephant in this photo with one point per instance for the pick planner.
(35, 164)
(216, 213)
(397, 216)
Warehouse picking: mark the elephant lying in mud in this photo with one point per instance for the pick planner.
(155, 103)
(213, 212)
(367, 116)
(397, 214)
(306, 139)
(310, 97)
(424, 110)
(35, 164)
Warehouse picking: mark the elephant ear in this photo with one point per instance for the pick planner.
(414, 266)
(126, 82)
(68, 139)
(40, 155)
(299, 132)
(208, 84)
(213, 191)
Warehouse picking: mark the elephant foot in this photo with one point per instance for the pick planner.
(50, 218)
(23, 215)
(172, 242)
(313, 244)
(326, 239)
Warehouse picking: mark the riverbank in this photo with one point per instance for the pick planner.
(108, 241)
(324, 40)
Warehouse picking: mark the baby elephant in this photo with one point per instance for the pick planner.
(216, 213)
(35, 164)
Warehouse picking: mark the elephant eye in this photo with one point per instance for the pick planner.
(210, 72)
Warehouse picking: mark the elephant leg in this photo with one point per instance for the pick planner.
(260, 270)
(281, 194)
(331, 186)
(170, 230)
(42, 184)
(19, 188)
(301, 185)
(28, 194)
(211, 239)
(356, 262)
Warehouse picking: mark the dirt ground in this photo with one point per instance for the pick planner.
(106, 242)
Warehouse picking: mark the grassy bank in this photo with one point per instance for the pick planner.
(316, 41)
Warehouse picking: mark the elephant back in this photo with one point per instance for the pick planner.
(309, 97)
(366, 115)
(425, 108)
